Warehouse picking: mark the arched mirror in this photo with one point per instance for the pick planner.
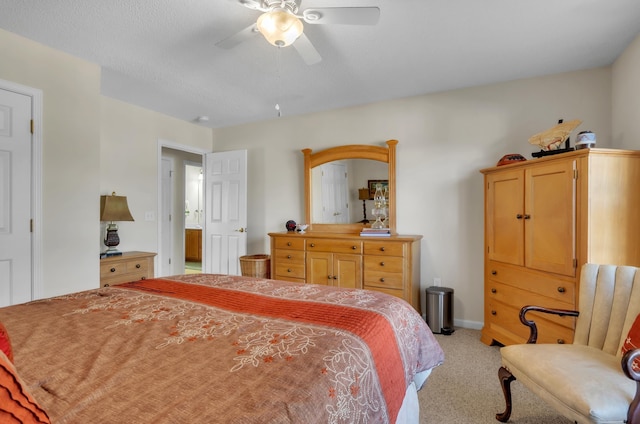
(352, 168)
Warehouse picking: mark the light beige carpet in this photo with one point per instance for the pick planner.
(466, 390)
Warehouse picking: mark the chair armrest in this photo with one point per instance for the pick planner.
(533, 334)
(633, 415)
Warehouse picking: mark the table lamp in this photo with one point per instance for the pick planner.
(113, 208)
(363, 194)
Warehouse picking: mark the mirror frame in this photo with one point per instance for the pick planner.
(352, 151)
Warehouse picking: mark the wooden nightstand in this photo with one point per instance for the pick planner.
(130, 266)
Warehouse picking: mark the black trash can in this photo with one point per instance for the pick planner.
(440, 310)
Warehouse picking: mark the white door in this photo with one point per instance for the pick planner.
(335, 200)
(225, 196)
(166, 244)
(15, 198)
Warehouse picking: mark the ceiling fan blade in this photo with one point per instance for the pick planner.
(238, 37)
(309, 53)
(342, 15)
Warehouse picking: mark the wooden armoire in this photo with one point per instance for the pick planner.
(545, 218)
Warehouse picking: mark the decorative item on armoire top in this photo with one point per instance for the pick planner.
(113, 208)
(301, 228)
(290, 225)
(551, 139)
(585, 140)
(510, 158)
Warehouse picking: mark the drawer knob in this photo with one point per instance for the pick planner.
(143, 278)
(494, 272)
(313, 245)
(494, 312)
(493, 290)
(137, 265)
(288, 243)
(289, 270)
(519, 216)
(561, 290)
(112, 270)
(106, 285)
(288, 256)
(382, 249)
(527, 216)
(381, 263)
(560, 341)
(382, 280)
(353, 247)
(335, 277)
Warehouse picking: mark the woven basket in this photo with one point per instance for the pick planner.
(255, 266)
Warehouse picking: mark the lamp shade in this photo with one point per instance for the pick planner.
(280, 27)
(363, 194)
(114, 208)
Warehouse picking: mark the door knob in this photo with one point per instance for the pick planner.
(241, 230)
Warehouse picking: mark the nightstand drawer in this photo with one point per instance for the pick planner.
(130, 266)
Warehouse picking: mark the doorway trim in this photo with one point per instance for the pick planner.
(37, 286)
(162, 143)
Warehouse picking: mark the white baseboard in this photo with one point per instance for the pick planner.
(473, 325)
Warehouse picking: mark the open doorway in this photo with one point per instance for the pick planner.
(172, 222)
(193, 216)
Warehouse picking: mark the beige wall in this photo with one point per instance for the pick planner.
(444, 140)
(625, 108)
(92, 145)
(71, 157)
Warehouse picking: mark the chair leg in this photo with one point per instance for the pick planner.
(505, 378)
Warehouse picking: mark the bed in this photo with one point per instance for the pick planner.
(207, 348)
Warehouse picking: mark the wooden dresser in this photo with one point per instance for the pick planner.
(545, 218)
(130, 266)
(386, 264)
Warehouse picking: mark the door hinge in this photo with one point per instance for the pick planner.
(575, 263)
(575, 174)
(32, 126)
(31, 225)
(169, 217)
(169, 261)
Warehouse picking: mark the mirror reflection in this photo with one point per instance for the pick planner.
(336, 195)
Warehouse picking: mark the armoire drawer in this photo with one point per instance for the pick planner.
(502, 294)
(504, 319)
(544, 284)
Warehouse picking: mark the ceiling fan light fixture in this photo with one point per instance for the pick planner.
(279, 27)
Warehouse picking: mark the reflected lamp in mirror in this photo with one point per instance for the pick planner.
(113, 208)
(363, 194)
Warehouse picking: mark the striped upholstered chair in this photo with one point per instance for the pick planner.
(591, 380)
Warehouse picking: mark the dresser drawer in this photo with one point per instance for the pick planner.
(384, 264)
(334, 246)
(561, 289)
(290, 270)
(289, 256)
(293, 243)
(383, 248)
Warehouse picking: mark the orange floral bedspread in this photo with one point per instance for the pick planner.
(204, 348)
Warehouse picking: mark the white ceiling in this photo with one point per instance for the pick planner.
(161, 54)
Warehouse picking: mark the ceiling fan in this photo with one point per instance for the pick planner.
(280, 24)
